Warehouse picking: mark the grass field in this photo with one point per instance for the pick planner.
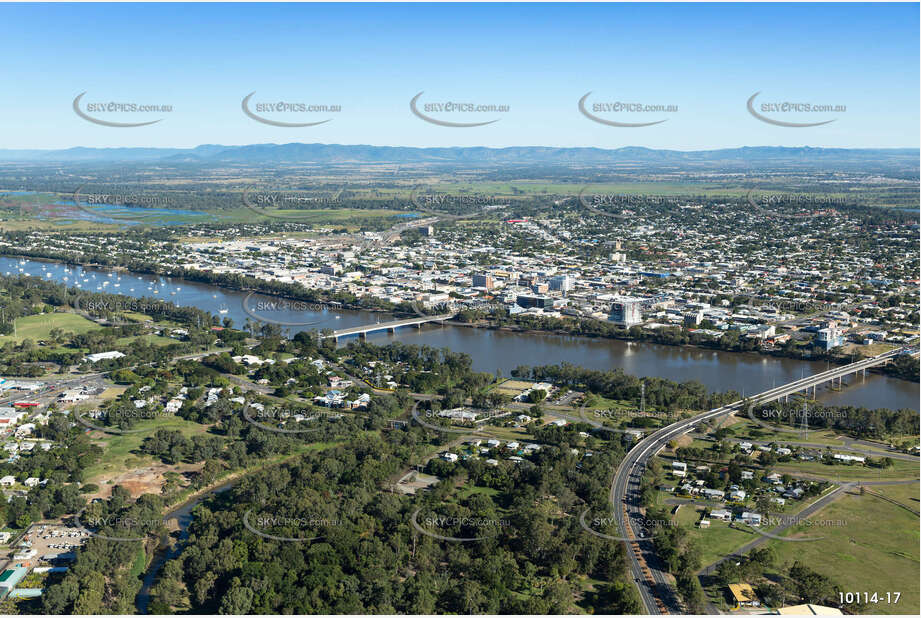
(876, 551)
(900, 470)
(149, 339)
(118, 447)
(904, 494)
(718, 540)
(38, 327)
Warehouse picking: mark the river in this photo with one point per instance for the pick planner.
(183, 514)
(498, 350)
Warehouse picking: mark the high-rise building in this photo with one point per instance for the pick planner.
(627, 311)
(561, 283)
(483, 281)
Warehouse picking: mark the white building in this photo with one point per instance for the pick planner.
(627, 312)
(95, 358)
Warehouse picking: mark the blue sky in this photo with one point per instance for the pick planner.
(538, 59)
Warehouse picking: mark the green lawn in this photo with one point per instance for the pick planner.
(149, 339)
(900, 470)
(875, 551)
(718, 540)
(467, 490)
(118, 448)
(38, 327)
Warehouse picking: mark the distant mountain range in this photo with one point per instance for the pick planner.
(905, 158)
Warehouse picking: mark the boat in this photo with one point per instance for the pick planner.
(223, 309)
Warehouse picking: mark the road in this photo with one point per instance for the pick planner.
(845, 446)
(656, 592)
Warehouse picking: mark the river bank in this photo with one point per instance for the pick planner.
(493, 348)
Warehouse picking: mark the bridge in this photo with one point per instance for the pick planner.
(361, 331)
(657, 594)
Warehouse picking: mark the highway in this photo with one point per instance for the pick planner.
(657, 594)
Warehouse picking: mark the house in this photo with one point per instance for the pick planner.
(745, 447)
(679, 465)
(11, 416)
(778, 501)
(752, 519)
(558, 422)
(737, 495)
(713, 494)
(747, 475)
(8, 481)
(73, 396)
(721, 514)
(782, 450)
(524, 419)
(512, 446)
(704, 523)
(493, 443)
(796, 493)
(492, 462)
(25, 554)
(449, 457)
(32, 481)
(848, 458)
(743, 596)
(361, 401)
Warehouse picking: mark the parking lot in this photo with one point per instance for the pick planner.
(51, 540)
